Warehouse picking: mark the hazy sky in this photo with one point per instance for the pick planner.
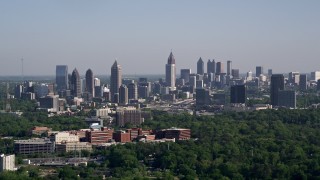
(280, 34)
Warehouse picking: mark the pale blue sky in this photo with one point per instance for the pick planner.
(280, 34)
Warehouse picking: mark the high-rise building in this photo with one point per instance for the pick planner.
(292, 77)
(132, 91)
(185, 74)
(213, 65)
(287, 98)
(123, 94)
(229, 67)
(238, 94)
(171, 72)
(277, 84)
(249, 76)
(90, 82)
(209, 67)
(235, 73)
(62, 77)
(200, 67)
(259, 70)
(75, 83)
(115, 80)
(318, 85)
(130, 115)
(97, 82)
(219, 68)
(202, 97)
(269, 72)
(303, 82)
(315, 76)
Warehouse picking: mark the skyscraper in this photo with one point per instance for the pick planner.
(185, 74)
(209, 67)
(219, 68)
(62, 77)
(200, 67)
(123, 94)
(235, 73)
(213, 66)
(90, 82)
(303, 82)
(115, 80)
(132, 91)
(238, 94)
(75, 83)
(259, 70)
(277, 84)
(229, 67)
(171, 72)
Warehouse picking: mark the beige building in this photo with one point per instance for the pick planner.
(7, 162)
(73, 146)
(62, 137)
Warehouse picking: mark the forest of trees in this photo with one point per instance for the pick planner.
(269, 144)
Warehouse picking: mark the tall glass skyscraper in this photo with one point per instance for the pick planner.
(62, 77)
(90, 82)
(115, 80)
(75, 83)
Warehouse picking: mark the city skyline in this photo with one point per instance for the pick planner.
(275, 35)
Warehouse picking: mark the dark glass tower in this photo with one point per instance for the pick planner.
(115, 80)
(277, 84)
(90, 82)
(62, 77)
(75, 83)
(200, 67)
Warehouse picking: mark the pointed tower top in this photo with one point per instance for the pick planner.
(115, 63)
(200, 59)
(171, 59)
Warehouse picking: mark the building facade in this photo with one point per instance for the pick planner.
(171, 72)
(62, 77)
(115, 80)
(90, 83)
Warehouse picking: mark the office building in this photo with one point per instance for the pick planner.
(235, 73)
(259, 71)
(18, 91)
(238, 94)
(90, 83)
(132, 91)
(121, 136)
(34, 146)
(174, 133)
(202, 97)
(73, 146)
(315, 76)
(7, 162)
(51, 103)
(115, 80)
(303, 83)
(219, 68)
(211, 66)
(200, 67)
(171, 72)
(123, 94)
(229, 67)
(277, 84)
(143, 92)
(129, 115)
(287, 98)
(75, 84)
(269, 72)
(99, 136)
(318, 85)
(249, 76)
(62, 77)
(185, 74)
(62, 137)
(293, 77)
